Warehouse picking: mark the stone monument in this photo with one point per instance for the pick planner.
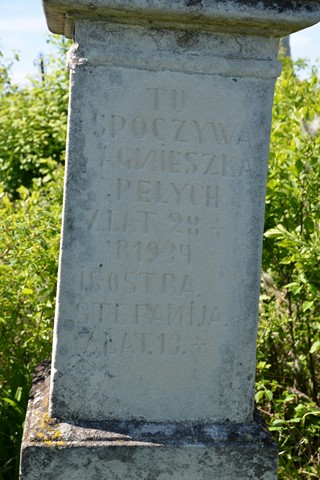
(155, 331)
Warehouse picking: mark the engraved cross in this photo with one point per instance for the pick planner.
(217, 229)
(199, 344)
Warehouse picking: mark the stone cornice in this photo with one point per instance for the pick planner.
(259, 17)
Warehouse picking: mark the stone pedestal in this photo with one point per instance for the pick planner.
(66, 450)
(157, 307)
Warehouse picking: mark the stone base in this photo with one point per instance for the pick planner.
(54, 450)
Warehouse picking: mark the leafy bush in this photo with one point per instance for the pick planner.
(288, 379)
(33, 124)
(29, 245)
(32, 145)
(31, 150)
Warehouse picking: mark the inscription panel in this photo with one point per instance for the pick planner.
(180, 161)
(156, 275)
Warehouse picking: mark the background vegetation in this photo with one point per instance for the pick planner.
(288, 369)
(32, 142)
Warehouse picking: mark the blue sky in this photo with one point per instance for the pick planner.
(23, 29)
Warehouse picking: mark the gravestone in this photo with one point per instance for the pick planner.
(155, 331)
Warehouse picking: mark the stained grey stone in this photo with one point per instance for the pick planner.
(157, 305)
(65, 450)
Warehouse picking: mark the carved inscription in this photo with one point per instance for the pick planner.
(168, 139)
(167, 98)
(182, 161)
(163, 170)
(147, 343)
(163, 193)
(150, 252)
(188, 314)
(171, 130)
(125, 327)
(107, 282)
(125, 221)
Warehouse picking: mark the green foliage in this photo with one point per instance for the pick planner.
(32, 142)
(288, 378)
(29, 244)
(4, 73)
(33, 125)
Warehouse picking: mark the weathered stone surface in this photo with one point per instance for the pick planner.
(163, 219)
(157, 306)
(241, 16)
(160, 262)
(126, 450)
